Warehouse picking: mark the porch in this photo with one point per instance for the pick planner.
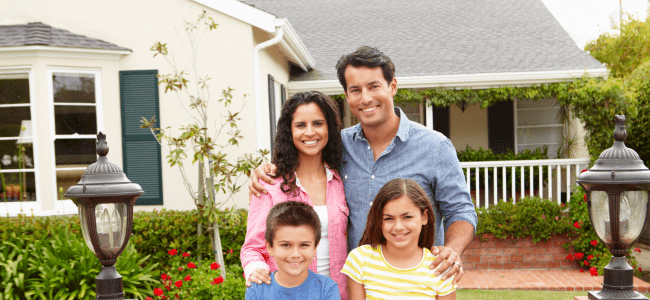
(492, 181)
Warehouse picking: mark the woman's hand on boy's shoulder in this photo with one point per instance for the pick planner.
(258, 276)
(447, 259)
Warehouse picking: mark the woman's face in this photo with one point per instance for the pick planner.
(309, 130)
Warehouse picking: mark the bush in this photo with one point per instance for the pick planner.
(531, 216)
(156, 232)
(61, 267)
(186, 280)
(481, 154)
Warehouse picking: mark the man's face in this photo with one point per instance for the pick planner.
(369, 95)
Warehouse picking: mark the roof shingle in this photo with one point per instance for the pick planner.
(38, 33)
(433, 37)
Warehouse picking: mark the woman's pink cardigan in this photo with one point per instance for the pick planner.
(254, 248)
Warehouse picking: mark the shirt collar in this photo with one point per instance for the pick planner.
(328, 173)
(402, 131)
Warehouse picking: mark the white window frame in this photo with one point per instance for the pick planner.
(25, 207)
(68, 205)
(516, 109)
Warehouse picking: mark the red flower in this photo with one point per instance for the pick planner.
(585, 197)
(640, 269)
(579, 255)
(158, 291)
(637, 250)
(164, 297)
(582, 270)
(178, 283)
(148, 298)
(584, 170)
(169, 288)
(576, 225)
(180, 268)
(562, 204)
(191, 265)
(230, 251)
(172, 252)
(569, 257)
(586, 262)
(185, 254)
(243, 275)
(590, 257)
(187, 278)
(218, 280)
(214, 266)
(593, 271)
(594, 243)
(164, 276)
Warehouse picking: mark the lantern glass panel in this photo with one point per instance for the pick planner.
(84, 228)
(111, 225)
(636, 204)
(600, 215)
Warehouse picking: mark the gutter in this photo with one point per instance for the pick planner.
(463, 81)
(256, 79)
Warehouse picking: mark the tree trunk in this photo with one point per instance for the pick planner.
(199, 225)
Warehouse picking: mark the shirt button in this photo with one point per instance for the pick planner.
(368, 147)
(373, 176)
(346, 176)
(370, 203)
(331, 221)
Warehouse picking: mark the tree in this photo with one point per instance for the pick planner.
(207, 146)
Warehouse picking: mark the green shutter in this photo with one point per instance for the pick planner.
(140, 150)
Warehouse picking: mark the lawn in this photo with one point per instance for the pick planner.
(528, 295)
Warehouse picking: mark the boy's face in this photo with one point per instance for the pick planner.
(293, 249)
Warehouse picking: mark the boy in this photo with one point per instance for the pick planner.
(292, 234)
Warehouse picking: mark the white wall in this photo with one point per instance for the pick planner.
(468, 128)
(225, 55)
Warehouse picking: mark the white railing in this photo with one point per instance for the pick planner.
(547, 178)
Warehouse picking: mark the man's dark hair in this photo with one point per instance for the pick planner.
(365, 56)
(294, 214)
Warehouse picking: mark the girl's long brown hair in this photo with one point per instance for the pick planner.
(392, 190)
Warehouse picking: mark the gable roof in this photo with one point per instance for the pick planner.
(39, 34)
(433, 37)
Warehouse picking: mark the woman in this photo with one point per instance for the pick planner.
(308, 155)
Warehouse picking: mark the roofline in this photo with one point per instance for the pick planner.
(62, 52)
(267, 22)
(465, 81)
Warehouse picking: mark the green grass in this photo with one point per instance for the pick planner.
(528, 295)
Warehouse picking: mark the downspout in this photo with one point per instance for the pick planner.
(256, 80)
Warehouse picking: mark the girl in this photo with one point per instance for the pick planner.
(393, 257)
(308, 154)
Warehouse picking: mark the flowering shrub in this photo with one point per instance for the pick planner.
(535, 217)
(587, 249)
(184, 279)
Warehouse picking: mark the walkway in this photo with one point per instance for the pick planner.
(544, 280)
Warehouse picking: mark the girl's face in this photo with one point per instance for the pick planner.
(309, 130)
(402, 223)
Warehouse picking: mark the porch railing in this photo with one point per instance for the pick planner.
(492, 181)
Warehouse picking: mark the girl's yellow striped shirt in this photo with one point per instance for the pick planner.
(366, 265)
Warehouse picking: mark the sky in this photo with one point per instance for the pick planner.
(585, 20)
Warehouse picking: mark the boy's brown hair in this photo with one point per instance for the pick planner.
(291, 213)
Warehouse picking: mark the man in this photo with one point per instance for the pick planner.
(386, 145)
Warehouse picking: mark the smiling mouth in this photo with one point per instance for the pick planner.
(369, 109)
(310, 143)
(294, 264)
(400, 236)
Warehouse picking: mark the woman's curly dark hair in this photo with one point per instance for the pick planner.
(285, 154)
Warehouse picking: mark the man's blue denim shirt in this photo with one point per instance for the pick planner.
(417, 153)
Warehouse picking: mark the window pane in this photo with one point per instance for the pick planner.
(74, 152)
(75, 119)
(18, 186)
(12, 158)
(75, 88)
(14, 91)
(65, 179)
(412, 112)
(12, 118)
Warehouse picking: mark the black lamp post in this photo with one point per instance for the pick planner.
(617, 192)
(105, 199)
